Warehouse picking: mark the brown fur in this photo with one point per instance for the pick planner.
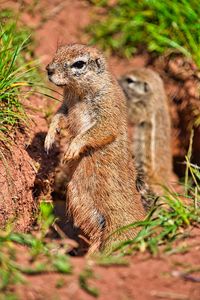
(101, 194)
(148, 113)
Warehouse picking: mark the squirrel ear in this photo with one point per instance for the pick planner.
(100, 64)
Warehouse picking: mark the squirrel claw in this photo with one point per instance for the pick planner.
(71, 153)
(48, 143)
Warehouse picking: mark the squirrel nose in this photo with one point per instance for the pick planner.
(50, 70)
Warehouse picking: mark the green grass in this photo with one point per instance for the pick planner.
(169, 220)
(163, 226)
(17, 72)
(84, 276)
(42, 255)
(151, 24)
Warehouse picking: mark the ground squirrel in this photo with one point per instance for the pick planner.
(101, 193)
(148, 113)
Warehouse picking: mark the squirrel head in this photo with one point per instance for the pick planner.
(77, 66)
(135, 86)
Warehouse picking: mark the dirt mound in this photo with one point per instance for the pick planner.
(17, 180)
(26, 170)
(182, 82)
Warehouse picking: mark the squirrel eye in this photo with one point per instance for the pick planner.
(79, 64)
(129, 80)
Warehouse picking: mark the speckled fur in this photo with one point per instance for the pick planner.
(148, 113)
(101, 194)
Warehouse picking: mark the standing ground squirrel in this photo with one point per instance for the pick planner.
(148, 113)
(101, 193)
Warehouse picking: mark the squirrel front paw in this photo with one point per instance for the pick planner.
(49, 140)
(72, 152)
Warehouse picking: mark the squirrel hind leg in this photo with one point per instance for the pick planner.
(96, 239)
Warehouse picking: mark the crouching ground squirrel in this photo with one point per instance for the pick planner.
(148, 113)
(101, 193)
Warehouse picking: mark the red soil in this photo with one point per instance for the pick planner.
(145, 278)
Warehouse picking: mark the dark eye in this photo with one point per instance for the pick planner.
(79, 64)
(129, 80)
